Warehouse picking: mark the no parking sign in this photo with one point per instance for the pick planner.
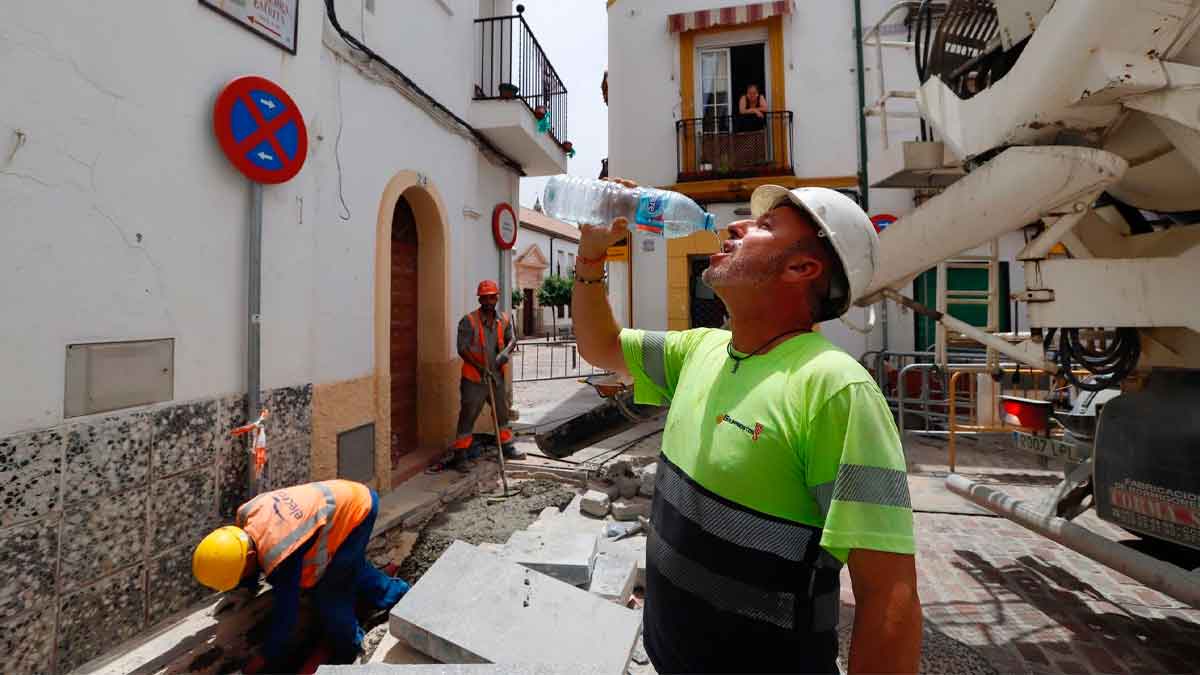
(260, 129)
(882, 220)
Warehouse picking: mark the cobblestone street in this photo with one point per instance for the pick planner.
(1023, 602)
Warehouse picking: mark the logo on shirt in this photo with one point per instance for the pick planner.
(288, 503)
(754, 433)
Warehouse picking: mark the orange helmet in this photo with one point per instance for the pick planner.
(487, 287)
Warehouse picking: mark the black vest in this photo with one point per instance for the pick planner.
(730, 589)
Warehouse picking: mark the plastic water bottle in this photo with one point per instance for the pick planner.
(584, 200)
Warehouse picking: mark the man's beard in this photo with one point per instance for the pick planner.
(738, 270)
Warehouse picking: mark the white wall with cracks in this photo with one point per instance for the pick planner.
(120, 218)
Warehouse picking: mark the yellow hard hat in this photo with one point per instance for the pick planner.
(220, 558)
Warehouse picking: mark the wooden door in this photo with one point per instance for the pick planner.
(403, 366)
(527, 309)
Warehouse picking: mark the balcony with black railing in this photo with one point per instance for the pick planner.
(734, 146)
(519, 97)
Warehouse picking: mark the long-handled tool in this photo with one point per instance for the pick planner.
(496, 426)
(488, 375)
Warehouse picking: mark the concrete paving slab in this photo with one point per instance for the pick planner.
(571, 520)
(472, 607)
(566, 556)
(464, 669)
(633, 548)
(630, 509)
(614, 577)
(649, 474)
(595, 503)
(606, 487)
(393, 650)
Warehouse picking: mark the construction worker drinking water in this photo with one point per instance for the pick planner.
(311, 537)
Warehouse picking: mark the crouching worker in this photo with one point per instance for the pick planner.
(311, 537)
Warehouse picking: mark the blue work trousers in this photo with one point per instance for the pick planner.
(349, 579)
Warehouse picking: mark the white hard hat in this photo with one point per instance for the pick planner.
(843, 223)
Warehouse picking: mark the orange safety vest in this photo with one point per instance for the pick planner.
(280, 521)
(469, 371)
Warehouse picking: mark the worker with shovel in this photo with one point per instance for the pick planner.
(484, 340)
(311, 537)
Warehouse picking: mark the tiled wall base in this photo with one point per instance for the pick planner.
(99, 517)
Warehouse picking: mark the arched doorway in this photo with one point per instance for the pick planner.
(416, 366)
(402, 333)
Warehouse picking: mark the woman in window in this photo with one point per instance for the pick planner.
(752, 110)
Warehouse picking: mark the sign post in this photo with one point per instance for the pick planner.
(262, 133)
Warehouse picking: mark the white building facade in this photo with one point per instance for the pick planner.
(124, 240)
(545, 247)
(677, 72)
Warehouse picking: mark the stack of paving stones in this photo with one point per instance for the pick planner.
(99, 516)
(473, 606)
(563, 583)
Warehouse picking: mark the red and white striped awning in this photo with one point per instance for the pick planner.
(727, 16)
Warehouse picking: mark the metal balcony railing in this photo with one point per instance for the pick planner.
(734, 146)
(512, 65)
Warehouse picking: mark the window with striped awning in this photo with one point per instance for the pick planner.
(727, 16)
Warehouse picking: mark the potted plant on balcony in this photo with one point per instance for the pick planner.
(508, 90)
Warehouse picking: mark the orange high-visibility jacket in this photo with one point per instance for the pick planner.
(280, 521)
(469, 370)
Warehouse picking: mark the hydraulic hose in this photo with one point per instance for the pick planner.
(1110, 363)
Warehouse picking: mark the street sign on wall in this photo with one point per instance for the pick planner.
(260, 129)
(504, 226)
(273, 20)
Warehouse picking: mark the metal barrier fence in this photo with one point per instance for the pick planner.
(923, 388)
(555, 360)
(1023, 381)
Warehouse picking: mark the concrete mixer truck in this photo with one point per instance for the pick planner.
(1078, 123)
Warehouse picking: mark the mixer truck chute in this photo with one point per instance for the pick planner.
(1073, 121)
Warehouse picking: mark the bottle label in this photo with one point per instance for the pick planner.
(650, 212)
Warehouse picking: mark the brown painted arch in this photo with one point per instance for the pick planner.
(437, 364)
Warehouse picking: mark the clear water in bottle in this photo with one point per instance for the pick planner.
(585, 200)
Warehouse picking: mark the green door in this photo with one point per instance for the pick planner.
(925, 292)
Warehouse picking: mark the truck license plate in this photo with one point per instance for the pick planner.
(1047, 447)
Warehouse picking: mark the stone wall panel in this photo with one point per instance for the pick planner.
(106, 455)
(102, 536)
(185, 437)
(28, 554)
(97, 618)
(183, 509)
(172, 587)
(26, 642)
(30, 475)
